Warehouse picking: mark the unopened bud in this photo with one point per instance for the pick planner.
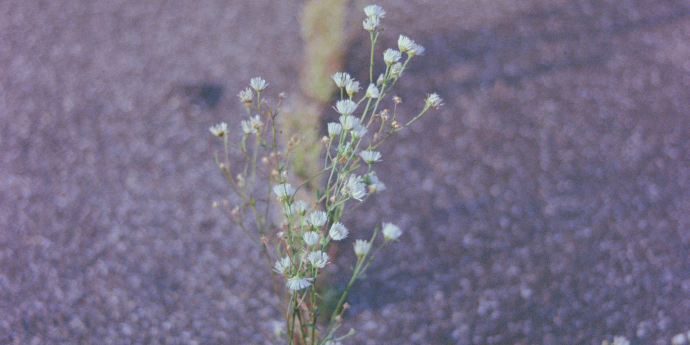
(214, 204)
(333, 199)
(397, 100)
(264, 240)
(264, 160)
(240, 180)
(325, 140)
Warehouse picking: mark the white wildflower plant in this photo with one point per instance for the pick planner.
(295, 235)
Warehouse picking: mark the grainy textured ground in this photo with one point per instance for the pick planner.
(547, 202)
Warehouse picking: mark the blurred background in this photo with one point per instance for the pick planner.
(547, 202)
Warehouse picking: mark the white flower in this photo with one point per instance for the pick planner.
(415, 50)
(220, 129)
(380, 80)
(332, 342)
(341, 79)
(679, 339)
(246, 96)
(359, 131)
(311, 237)
(372, 91)
(349, 122)
(345, 106)
(375, 185)
(391, 56)
(351, 87)
(354, 188)
(334, 129)
(298, 283)
(374, 11)
(282, 265)
(300, 206)
(258, 84)
(433, 101)
(361, 247)
(284, 191)
(396, 70)
(405, 43)
(391, 231)
(252, 125)
(318, 258)
(370, 156)
(318, 218)
(338, 231)
(371, 24)
(618, 340)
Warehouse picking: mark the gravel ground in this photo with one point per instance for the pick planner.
(547, 202)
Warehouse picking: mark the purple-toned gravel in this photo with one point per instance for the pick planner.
(547, 202)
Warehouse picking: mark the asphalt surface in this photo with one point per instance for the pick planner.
(547, 202)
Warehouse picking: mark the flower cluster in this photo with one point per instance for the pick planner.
(298, 243)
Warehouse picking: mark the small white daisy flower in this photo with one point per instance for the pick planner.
(300, 206)
(284, 191)
(311, 237)
(370, 156)
(375, 185)
(247, 127)
(332, 342)
(282, 265)
(258, 84)
(380, 80)
(355, 188)
(415, 50)
(220, 129)
(246, 96)
(391, 56)
(338, 231)
(361, 247)
(349, 122)
(345, 107)
(618, 340)
(374, 11)
(391, 231)
(405, 43)
(359, 132)
(372, 91)
(252, 125)
(318, 218)
(371, 24)
(396, 70)
(297, 283)
(318, 258)
(433, 101)
(341, 79)
(334, 129)
(352, 87)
